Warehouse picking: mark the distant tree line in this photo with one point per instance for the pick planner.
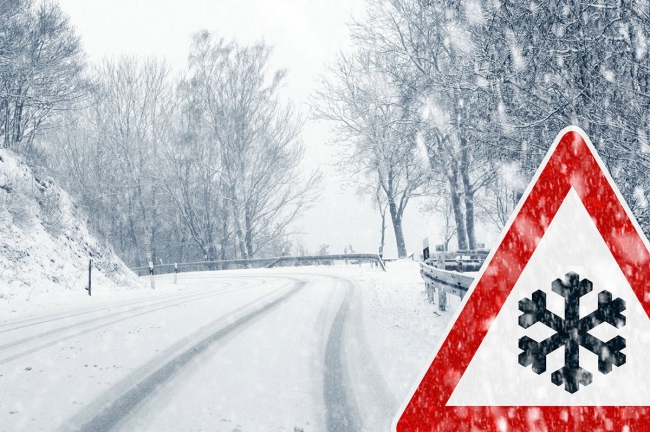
(172, 168)
(461, 100)
(454, 100)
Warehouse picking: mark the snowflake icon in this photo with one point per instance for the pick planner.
(572, 332)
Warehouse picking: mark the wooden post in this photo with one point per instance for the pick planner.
(431, 292)
(90, 279)
(175, 272)
(381, 262)
(153, 284)
(442, 299)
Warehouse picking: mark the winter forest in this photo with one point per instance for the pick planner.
(453, 103)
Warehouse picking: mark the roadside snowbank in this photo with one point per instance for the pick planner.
(45, 243)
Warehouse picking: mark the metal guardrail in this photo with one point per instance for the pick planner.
(329, 258)
(443, 282)
(442, 275)
(257, 263)
(461, 260)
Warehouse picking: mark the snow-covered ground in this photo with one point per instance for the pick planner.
(304, 348)
(401, 325)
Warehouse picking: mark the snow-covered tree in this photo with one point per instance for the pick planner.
(41, 63)
(375, 134)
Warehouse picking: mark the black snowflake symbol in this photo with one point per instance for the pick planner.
(572, 332)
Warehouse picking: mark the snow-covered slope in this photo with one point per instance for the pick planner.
(45, 244)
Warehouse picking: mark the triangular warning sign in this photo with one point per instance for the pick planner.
(554, 332)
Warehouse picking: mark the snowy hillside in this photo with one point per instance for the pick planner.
(45, 244)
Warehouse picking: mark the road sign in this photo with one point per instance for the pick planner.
(425, 248)
(553, 333)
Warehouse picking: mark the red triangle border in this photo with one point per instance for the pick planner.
(572, 161)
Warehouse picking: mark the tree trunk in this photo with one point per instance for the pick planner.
(152, 244)
(461, 233)
(383, 231)
(469, 220)
(469, 194)
(397, 227)
(224, 239)
(212, 256)
(248, 237)
(134, 240)
(239, 235)
(18, 124)
(154, 255)
(241, 243)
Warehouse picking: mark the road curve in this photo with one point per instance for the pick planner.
(257, 359)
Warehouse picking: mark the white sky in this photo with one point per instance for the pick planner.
(306, 36)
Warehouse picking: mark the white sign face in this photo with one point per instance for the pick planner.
(495, 377)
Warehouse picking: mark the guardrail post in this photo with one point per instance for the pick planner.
(381, 262)
(274, 262)
(442, 299)
(153, 284)
(90, 279)
(175, 272)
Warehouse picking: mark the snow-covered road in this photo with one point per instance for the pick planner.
(255, 350)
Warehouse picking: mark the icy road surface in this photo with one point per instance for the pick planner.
(308, 348)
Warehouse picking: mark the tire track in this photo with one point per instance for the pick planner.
(356, 395)
(56, 341)
(84, 311)
(377, 404)
(116, 411)
(80, 323)
(342, 414)
(151, 303)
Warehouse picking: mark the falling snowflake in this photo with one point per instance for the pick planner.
(572, 332)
